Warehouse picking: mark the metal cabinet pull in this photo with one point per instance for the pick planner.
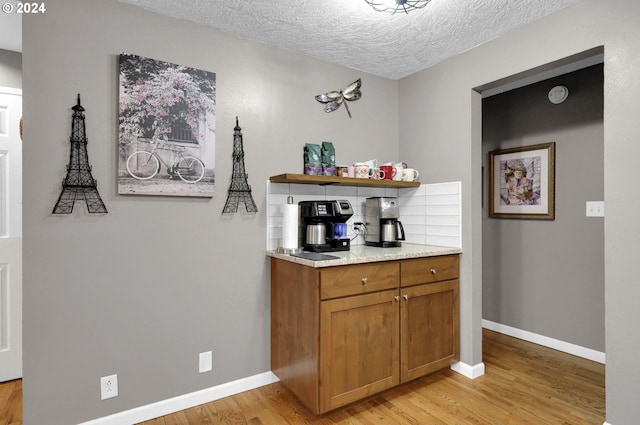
(397, 297)
(364, 280)
(405, 296)
(433, 271)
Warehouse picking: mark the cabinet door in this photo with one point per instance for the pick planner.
(358, 347)
(429, 328)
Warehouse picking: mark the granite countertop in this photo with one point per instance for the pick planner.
(368, 254)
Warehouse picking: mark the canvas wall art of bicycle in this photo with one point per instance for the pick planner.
(166, 128)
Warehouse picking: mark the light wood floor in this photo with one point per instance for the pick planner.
(11, 402)
(523, 384)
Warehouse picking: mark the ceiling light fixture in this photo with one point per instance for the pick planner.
(394, 6)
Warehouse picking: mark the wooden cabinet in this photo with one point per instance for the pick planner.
(340, 334)
(430, 315)
(358, 347)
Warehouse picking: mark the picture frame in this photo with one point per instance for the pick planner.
(522, 182)
(166, 134)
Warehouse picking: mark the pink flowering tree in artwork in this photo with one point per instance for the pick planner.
(155, 96)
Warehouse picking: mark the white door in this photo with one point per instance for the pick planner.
(10, 234)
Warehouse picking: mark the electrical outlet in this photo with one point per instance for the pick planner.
(108, 387)
(205, 362)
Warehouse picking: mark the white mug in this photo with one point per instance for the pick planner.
(362, 170)
(378, 174)
(372, 164)
(410, 174)
(397, 172)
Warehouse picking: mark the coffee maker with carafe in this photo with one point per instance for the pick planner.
(382, 227)
(323, 225)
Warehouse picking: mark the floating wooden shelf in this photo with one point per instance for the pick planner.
(339, 181)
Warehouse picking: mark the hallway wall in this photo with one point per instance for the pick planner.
(547, 277)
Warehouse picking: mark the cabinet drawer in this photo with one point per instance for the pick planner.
(430, 269)
(358, 279)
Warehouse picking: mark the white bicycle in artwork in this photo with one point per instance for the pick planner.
(145, 165)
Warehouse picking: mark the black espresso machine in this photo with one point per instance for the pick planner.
(323, 225)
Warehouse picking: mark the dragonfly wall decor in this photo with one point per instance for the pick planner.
(334, 99)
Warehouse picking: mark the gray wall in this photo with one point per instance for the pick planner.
(10, 69)
(171, 304)
(547, 277)
(441, 127)
(144, 289)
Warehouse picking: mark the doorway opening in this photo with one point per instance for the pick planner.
(543, 280)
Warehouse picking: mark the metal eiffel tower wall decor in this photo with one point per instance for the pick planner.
(79, 185)
(239, 190)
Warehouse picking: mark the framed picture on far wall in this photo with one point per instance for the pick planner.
(522, 182)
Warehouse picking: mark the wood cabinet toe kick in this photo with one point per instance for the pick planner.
(340, 334)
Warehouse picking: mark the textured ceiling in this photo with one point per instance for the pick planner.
(352, 34)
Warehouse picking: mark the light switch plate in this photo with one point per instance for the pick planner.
(595, 208)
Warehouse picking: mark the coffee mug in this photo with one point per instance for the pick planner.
(397, 171)
(351, 171)
(361, 170)
(378, 174)
(389, 171)
(410, 174)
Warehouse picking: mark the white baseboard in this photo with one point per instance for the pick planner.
(556, 344)
(186, 401)
(467, 370)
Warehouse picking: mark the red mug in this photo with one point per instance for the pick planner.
(389, 171)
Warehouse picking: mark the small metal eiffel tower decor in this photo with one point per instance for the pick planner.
(239, 190)
(79, 185)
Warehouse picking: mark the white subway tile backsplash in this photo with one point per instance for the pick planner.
(311, 190)
(414, 229)
(443, 210)
(413, 191)
(278, 199)
(442, 199)
(419, 210)
(442, 231)
(444, 241)
(278, 188)
(418, 220)
(370, 192)
(412, 201)
(274, 221)
(419, 239)
(340, 192)
(443, 188)
(431, 213)
(442, 220)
